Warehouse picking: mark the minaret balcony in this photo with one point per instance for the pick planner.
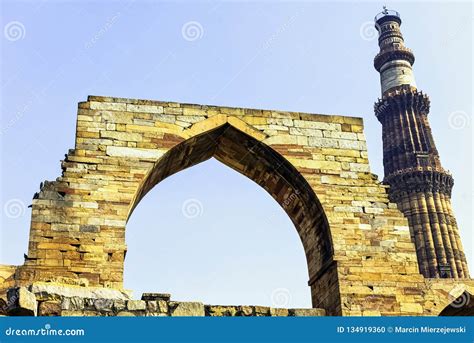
(391, 54)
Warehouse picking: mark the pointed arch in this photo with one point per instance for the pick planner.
(235, 144)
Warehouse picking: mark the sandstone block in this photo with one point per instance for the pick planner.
(190, 119)
(411, 308)
(221, 311)
(134, 152)
(357, 128)
(186, 309)
(21, 302)
(104, 305)
(183, 124)
(136, 305)
(49, 308)
(374, 210)
(340, 135)
(159, 306)
(279, 312)
(116, 117)
(72, 304)
(315, 164)
(255, 120)
(164, 118)
(359, 167)
(246, 310)
(173, 110)
(244, 127)
(282, 114)
(89, 228)
(193, 111)
(317, 125)
(357, 145)
(305, 132)
(107, 106)
(278, 127)
(112, 222)
(122, 136)
(156, 296)
(119, 305)
(51, 291)
(281, 139)
(262, 311)
(145, 108)
(323, 142)
(156, 130)
(308, 312)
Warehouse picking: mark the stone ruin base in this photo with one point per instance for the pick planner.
(54, 299)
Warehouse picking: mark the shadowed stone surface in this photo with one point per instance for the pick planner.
(49, 308)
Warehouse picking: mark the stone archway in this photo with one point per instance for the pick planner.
(266, 167)
(365, 264)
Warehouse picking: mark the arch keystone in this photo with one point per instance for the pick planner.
(205, 125)
(246, 128)
(219, 120)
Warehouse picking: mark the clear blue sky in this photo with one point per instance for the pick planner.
(298, 56)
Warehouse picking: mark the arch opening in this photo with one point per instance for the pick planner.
(271, 171)
(210, 234)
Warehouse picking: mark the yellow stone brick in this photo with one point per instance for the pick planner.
(255, 120)
(411, 308)
(244, 127)
(312, 164)
(206, 125)
(193, 111)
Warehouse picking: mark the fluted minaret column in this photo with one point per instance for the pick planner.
(418, 183)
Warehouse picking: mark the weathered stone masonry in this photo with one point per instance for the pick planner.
(361, 260)
(363, 256)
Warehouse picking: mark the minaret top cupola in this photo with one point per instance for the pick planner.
(394, 61)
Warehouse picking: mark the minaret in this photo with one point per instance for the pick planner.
(418, 183)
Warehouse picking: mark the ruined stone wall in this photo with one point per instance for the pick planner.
(360, 257)
(53, 299)
(433, 297)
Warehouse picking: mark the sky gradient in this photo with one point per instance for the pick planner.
(314, 57)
